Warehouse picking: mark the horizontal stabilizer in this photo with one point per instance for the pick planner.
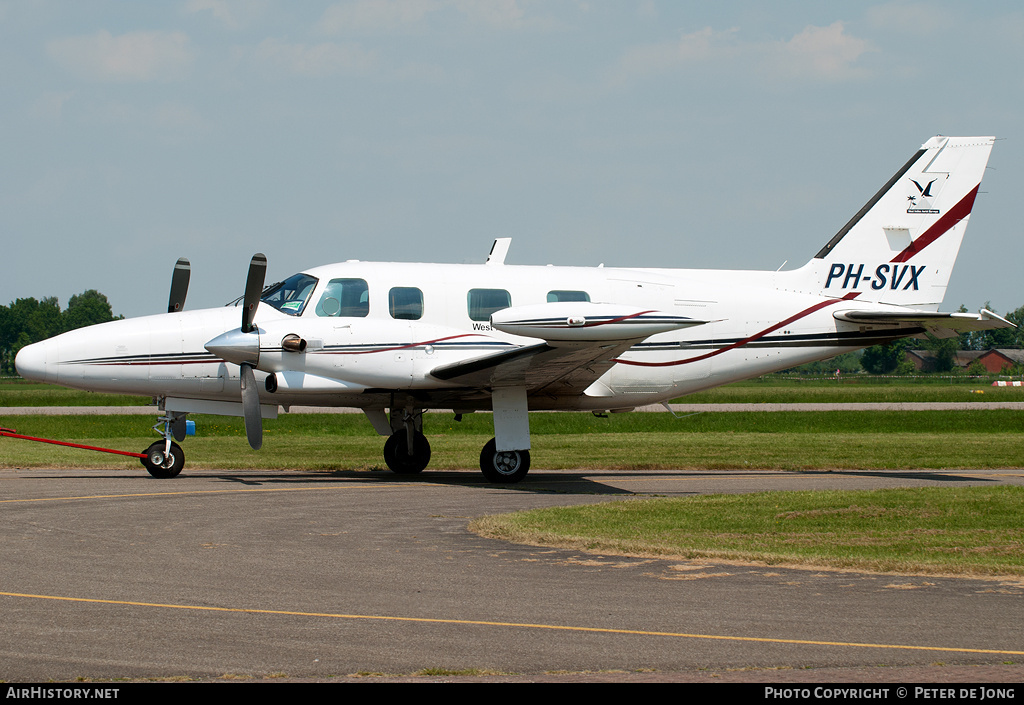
(941, 325)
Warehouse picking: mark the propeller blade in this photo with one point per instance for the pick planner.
(251, 407)
(253, 289)
(179, 285)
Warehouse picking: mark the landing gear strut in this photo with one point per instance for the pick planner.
(504, 467)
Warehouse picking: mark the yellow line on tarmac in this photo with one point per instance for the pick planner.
(195, 492)
(521, 625)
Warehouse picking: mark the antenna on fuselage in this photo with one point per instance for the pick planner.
(498, 251)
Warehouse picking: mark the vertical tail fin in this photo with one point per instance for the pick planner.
(901, 246)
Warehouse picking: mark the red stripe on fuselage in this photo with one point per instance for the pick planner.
(756, 336)
(404, 347)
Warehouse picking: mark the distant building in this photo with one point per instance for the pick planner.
(994, 361)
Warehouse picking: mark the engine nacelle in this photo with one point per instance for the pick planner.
(586, 321)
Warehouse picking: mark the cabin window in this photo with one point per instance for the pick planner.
(345, 298)
(405, 303)
(290, 295)
(558, 295)
(484, 302)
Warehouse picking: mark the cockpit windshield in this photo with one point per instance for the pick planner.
(290, 295)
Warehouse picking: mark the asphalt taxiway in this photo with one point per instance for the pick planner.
(113, 574)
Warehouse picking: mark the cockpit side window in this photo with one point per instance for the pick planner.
(345, 298)
(290, 295)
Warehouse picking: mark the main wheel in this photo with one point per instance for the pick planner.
(164, 465)
(396, 453)
(505, 467)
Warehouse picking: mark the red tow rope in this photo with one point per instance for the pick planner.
(11, 433)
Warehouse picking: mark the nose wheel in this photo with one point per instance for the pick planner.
(164, 463)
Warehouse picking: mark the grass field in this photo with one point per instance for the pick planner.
(971, 530)
(770, 388)
(744, 440)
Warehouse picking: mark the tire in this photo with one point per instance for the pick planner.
(505, 467)
(158, 465)
(397, 458)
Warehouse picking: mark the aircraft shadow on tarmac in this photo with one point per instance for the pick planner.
(539, 482)
(921, 475)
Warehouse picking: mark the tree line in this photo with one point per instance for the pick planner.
(28, 321)
(892, 358)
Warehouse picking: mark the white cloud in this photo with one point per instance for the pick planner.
(376, 15)
(168, 119)
(410, 15)
(915, 18)
(131, 57)
(693, 48)
(822, 53)
(233, 14)
(50, 105)
(322, 59)
(496, 13)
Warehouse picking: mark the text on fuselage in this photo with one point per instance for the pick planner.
(893, 276)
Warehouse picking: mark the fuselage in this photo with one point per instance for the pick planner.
(371, 330)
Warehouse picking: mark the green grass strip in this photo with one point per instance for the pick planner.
(967, 530)
(764, 440)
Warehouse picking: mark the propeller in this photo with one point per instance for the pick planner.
(251, 407)
(250, 394)
(253, 289)
(179, 285)
(242, 347)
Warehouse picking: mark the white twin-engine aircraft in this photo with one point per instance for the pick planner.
(397, 339)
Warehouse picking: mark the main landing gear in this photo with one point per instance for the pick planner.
(504, 467)
(407, 451)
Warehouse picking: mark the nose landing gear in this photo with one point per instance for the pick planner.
(165, 458)
(163, 461)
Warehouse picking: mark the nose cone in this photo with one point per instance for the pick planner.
(31, 363)
(237, 347)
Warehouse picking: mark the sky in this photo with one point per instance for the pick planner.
(730, 135)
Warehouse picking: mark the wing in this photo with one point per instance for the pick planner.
(941, 325)
(555, 368)
(581, 340)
